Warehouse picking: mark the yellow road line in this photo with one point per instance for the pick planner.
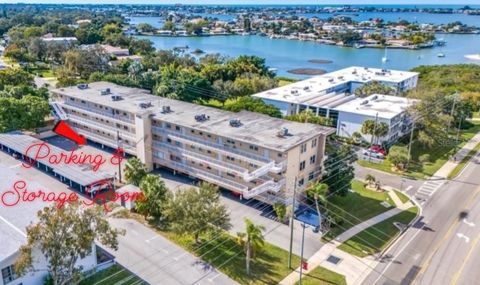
(459, 272)
(427, 262)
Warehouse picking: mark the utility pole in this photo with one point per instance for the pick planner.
(292, 217)
(459, 126)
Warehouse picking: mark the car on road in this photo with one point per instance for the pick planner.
(370, 153)
(378, 149)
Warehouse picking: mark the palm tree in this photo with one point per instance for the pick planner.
(319, 193)
(134, 171)
(370, 179)
(252, 241)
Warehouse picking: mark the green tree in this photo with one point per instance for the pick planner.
(64, 236)
(398, 156)
(251, 240)
(370, 179)
(145, 28)
(134, 171)
(280, 210)
(169, 26)
(339, 170)
(374, 87)
(197, 211)
(374, 129)
(154, 192)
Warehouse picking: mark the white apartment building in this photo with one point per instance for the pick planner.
(323, 93)
(248, 153)
(391, 110)
(331, 95)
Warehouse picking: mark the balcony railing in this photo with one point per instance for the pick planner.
(207, 176)
(79, 107)
(216, 147)
(217, 163)
(267, 185)
(103, 140)
(108, 128)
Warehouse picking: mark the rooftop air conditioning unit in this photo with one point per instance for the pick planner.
(365, 102)
(105, 91)
(375, 97)
(82, 86)
(166, 109)
(235, 123)
(145, 105)
(283, 132)
(116, 98)
(202, 118)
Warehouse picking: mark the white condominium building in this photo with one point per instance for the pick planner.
(323, 93)
(251, 154)
(391, 110)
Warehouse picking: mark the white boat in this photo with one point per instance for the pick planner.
(385, 58)
(473, 56)
(440, 54)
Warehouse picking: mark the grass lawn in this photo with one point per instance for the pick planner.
(377, 237)
(268, 267)
(323, 276)
(438, 156)
(115, 274)
(464, 162)
(360, 205)
(404, 198)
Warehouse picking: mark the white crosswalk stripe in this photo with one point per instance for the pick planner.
(429, 188)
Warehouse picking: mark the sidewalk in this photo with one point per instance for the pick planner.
(352, 267)
(448, 167)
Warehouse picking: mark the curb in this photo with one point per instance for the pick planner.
(412, 222)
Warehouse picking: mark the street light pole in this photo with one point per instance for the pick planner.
(291, 223)
(410, 144)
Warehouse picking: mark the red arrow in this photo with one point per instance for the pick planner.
(64, 130)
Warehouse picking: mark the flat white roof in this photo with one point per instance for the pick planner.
(302, 91)
(386, 106)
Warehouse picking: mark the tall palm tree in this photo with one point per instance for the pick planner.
(319, 193)
(252, 241)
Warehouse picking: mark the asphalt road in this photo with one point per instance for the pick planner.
(443, 246)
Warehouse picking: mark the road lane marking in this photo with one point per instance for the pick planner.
(462, 236)
(408, 188)
(399, 252)
(426, 264)
(470, 224)
(465, 261)
(152, 238)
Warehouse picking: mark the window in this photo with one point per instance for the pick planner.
(169, 140)
(303, 148)
(312, 159)
(254, 147)
(192, 131)
(310, 176)
(301, 182)
(8, 274)
(125, 127)
(177, 144)
(314, 142)
(177, 128)
(280, 154)
(302, 165)
(168, 126)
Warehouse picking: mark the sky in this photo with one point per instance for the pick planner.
(411, 2)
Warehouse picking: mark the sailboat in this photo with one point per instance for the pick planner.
(385, 58)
